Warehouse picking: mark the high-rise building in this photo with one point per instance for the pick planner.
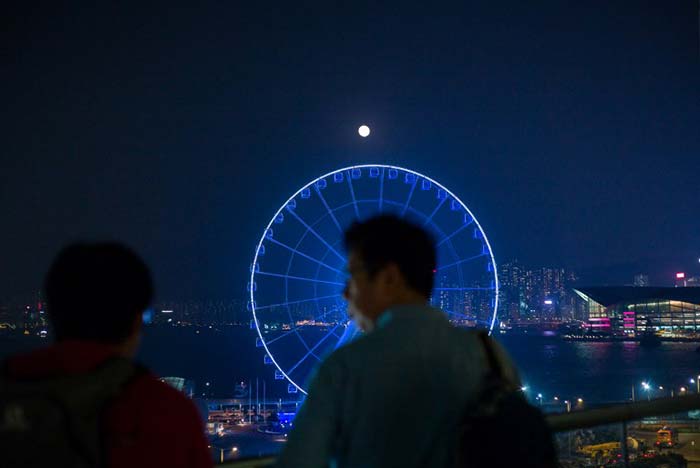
(536, 294)
(641, 280)
(680, 280)
(693, 282)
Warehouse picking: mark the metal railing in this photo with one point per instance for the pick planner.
(622, 413)
(582, 419)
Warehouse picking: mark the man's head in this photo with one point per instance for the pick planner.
(390, 262)
(97, 292)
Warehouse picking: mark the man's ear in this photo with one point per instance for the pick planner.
(393, 277)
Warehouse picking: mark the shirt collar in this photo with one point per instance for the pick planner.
(403, 312)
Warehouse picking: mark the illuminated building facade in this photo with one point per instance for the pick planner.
(186, 386)
(632, 311)
(536, 294)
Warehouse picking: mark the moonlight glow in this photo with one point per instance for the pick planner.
(363, 131)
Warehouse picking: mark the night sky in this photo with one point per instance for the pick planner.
(571, 129)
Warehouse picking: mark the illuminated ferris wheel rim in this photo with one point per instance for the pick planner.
(251, 287)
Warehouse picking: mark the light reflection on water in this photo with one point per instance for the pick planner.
(602, 371)
(591, 370)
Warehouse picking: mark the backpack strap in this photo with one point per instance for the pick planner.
(89, 395)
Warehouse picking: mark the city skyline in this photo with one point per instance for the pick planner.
(527, 293)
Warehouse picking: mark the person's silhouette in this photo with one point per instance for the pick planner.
(112, 412)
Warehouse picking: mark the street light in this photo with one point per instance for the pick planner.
(568, 406)
(646, 387)
(539, 398)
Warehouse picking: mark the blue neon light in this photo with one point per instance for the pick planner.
(353, 173)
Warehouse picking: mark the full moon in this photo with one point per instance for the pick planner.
(363, 131)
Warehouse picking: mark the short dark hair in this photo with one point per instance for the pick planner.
(385, 239)
(95, 292)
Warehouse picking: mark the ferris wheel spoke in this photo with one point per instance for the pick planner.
(318, 236)
(457, 314)
(302, 254)
(464, 289)
(430, 218)
(288, 303)
(455, 232)
(287, 333)
(410, 195)
(352, 193)
(330, 212)
(311, 351)
(465, 260)
(299, 278)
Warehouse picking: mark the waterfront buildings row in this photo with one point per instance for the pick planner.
(528, 296)
(670, 312)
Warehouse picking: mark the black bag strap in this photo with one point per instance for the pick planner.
(495, 370)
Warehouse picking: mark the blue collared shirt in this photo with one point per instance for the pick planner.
(393, 397)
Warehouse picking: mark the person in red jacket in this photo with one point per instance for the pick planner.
(96, 295)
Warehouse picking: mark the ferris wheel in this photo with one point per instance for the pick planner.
(298, 271)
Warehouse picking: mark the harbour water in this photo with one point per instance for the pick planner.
(594, 371)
